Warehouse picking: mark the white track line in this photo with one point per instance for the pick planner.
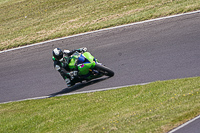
(101, 30)
(43, 97)
(181, 126)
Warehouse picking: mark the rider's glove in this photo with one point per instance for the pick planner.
(66, 51)
(84, 49)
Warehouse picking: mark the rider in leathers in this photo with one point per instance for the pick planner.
(61, 60)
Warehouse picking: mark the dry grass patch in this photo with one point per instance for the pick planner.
(24, 22)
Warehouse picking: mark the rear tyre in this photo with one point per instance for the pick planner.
(104, 70)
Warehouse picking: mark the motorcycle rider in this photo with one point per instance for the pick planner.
(61, 60)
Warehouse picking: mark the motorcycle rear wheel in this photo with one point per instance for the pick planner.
(104, 70)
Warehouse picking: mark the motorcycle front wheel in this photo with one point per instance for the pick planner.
(104, 70)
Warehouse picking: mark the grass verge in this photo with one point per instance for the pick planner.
(155, 107)
(25, 22)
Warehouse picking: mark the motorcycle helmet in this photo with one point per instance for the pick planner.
(58, 54)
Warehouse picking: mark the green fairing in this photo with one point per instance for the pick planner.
(89, 56)
(72, 62)
(85, 67)
(84, 70)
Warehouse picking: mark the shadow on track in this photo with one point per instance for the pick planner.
(77, 87)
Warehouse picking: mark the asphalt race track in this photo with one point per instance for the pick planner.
(151, 51)
(159, 50)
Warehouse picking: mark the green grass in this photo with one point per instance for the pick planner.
(24, 22)
(155, 107)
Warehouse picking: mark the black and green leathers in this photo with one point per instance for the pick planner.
(62, 66)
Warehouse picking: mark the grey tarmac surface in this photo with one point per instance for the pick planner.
(159, 50)
(191, 126)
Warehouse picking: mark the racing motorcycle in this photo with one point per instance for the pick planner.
(88, 67)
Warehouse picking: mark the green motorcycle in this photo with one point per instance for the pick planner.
(88, 67)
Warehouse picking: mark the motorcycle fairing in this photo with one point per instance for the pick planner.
(82, 59)
(85, 63)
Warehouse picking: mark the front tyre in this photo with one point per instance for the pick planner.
(104, 70)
